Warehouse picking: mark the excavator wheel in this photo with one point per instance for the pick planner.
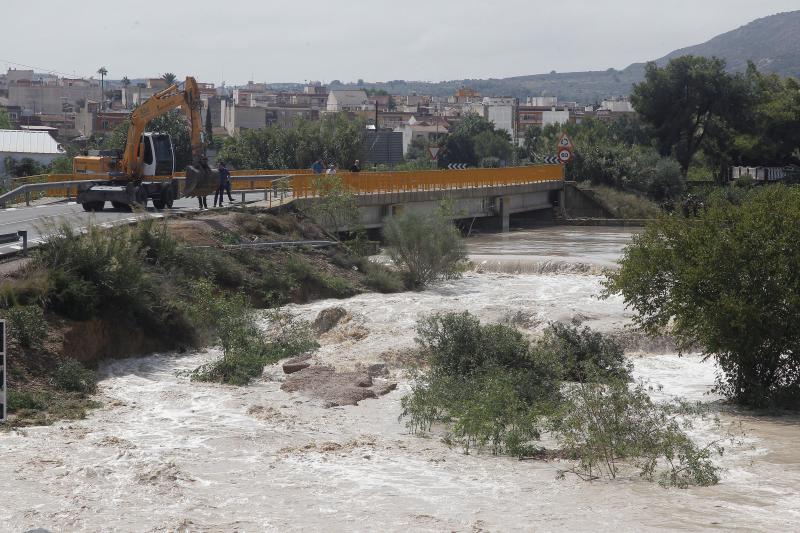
(140, 195)
(166, 199)
(93, 206)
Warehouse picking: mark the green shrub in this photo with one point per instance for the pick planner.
(32, 289)
(585, 353)
(606, 426)
(485, 382)
(456, 344)
(484, 409)
(490, 388)
(246, 349)
(383, 279)
(27, 325)
(72, 376)
(112, 261)
(73, 297)
(426, 247)
(19, 400)
(726, 281)
(307, 275)
(625, 204)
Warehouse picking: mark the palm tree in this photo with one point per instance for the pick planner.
(102, 71)
(125, 84)
(169, 77)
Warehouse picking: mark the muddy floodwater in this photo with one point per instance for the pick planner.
(164, 454)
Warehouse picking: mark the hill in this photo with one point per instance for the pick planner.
(772, 43)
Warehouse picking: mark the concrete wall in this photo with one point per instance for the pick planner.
(581, 203)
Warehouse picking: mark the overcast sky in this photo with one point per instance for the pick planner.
(377, 40)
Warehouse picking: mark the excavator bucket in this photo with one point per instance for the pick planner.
(200, 181)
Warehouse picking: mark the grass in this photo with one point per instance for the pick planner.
(626, 205)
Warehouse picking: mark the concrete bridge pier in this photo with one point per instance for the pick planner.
(503, 205)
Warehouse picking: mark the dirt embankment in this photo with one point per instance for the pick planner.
(230, 251)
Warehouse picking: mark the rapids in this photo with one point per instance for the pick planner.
(164, 454)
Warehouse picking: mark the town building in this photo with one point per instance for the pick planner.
(31, 144)
(423, 131)
(90, 120)
(348, 100)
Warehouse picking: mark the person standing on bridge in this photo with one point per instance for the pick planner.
(224, 184)
(318, 166)
(356, 166)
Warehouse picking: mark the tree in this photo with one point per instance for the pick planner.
(22, 168)
(61, 165)
(772, 137)
(428, 247)
(169, 77)
(126, 82)
(474, 139)
(689, 103)
(335, 207)
(173, 123)
(5, 119)
(103, 72)
(727, 283)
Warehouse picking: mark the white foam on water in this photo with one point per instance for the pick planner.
(165, 453)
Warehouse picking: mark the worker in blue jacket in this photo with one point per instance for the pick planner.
(224, 184)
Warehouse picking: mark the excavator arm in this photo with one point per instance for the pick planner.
(188, 99)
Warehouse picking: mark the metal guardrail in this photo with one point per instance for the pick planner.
(8, 238)
(63, 189)
(28, 188)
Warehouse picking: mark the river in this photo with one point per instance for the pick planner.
(164, 454)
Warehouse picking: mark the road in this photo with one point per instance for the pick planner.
(37, 220)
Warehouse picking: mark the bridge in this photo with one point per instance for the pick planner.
(491, 194)
(486, 193)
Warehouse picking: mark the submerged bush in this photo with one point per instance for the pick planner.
(605, 426)
(382, 279)
(426, 247)
(585, 353)
(486, 382)
(246, 349)
(489, 387)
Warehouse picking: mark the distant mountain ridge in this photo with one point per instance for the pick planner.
(772, 43)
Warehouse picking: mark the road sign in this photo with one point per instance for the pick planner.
(3, 406)
(457, 166)
(565, 142)
(564, 155)
(434, 151)
(550, 160)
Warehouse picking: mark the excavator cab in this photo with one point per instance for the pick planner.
(158, 157)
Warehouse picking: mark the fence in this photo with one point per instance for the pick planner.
(429, 180)
(303, 182)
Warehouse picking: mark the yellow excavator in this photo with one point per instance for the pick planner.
(146, 169)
